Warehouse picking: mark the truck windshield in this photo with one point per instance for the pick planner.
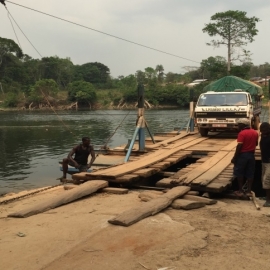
(221, 99)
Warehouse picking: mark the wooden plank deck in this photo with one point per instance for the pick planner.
(212, 172)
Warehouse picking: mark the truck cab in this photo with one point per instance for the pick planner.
(221, 110)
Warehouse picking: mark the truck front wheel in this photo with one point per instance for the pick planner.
(203, 132)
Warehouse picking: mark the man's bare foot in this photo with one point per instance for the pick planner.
(62, 179)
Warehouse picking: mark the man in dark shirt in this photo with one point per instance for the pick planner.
(244, 157)
(265, 154)
(81, 151)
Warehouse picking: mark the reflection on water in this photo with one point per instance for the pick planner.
(32, 143)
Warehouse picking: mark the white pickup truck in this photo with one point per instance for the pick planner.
(221, 110)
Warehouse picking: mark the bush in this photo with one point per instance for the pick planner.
(11, 100)
(82, 92)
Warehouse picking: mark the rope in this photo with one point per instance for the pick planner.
(59, 118)
(28, 194)
(116, 129)
(8, 13)
(110, 35)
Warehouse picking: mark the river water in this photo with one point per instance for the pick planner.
(32, 143)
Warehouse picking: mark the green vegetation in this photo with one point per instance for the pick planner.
(235, 30)
(37, 83)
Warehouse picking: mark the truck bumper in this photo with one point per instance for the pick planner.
(218, 126)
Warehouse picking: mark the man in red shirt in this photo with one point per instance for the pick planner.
(244, 158)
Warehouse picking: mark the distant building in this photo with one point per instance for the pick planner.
(260, 81)
(196, 82)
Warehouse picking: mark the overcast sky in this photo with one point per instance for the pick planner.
(172, 26)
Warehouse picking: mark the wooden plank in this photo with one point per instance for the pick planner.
(126, 178)
(201, 168)
(150, 208)
(165, 174)
(115, 190)
(149, 195)
(147, 172)
(154, 193)
(161, 165)
(165, 182)
(199, 199)
(167, 141)
(80, 176)
(64, 198)
(186, 204)
(146, 161)
(171, 160)
(213, 172)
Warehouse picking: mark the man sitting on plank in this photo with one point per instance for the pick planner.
(81, 151)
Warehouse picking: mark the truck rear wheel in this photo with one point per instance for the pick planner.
(203, 132)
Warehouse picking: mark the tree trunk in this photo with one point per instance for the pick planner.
(229, 58)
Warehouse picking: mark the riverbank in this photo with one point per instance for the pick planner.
(228, 235)
(72, 107)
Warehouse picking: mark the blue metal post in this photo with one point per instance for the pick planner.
(191, 122)
(133, 138)
(141, 114)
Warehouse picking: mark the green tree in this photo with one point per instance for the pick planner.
(160, 71)
(235, 30)
(60, 70)
(242, 71)
(7, 47)
(150, 73)
(140, 75)
(82, 92)
(43, 91)
(95, 73)
(213, 67)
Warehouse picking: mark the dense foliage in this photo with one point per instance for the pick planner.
(27, 82)
(232, 29)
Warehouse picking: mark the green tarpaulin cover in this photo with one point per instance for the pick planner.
(230, 83)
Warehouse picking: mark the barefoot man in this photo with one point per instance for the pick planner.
(81, 151)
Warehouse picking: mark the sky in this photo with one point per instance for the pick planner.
(171, 26)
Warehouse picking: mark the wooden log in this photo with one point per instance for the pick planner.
(115, 190)
(64, 198)
(193, 192)
(152, 207)
(186, 204)
(199, 199)
(149, 195)
(68, 187)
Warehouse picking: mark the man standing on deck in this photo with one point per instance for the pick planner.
(265, 154)
(81, 151)
(244, 156)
